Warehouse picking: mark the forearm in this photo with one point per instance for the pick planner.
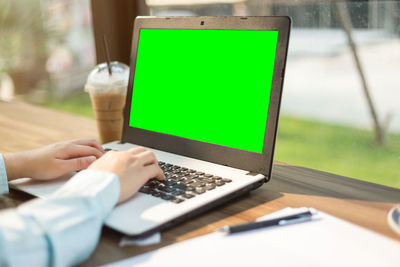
(62, 230)
(17, 165)
(22, 235)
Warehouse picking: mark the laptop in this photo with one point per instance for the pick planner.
(204, 95)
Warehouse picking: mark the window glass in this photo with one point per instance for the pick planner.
(46, 48)
(340, 110)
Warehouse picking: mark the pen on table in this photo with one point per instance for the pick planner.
(281, 221)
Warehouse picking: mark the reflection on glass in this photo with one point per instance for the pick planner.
(327, 122)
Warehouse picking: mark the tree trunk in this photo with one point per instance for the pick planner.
(343, 16)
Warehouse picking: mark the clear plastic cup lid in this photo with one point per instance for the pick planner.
(100, 81)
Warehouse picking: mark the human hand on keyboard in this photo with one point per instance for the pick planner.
(133, 167)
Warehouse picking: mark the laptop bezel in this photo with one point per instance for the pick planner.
(236, 158)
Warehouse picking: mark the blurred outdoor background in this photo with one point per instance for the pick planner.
(341, 102)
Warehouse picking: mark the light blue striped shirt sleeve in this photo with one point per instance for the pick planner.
(62, 230)
(3, 177)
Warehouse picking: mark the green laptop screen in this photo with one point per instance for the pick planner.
(208, 85)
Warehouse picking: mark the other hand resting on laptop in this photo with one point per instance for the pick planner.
(64, 229)
(52, 161)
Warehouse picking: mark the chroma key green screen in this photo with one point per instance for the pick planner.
(208, 85)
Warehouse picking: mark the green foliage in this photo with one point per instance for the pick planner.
(78, 104)
(337, 149)
(22, 33)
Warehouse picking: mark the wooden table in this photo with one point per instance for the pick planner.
(23, 126)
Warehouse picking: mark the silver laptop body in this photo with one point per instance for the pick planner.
(245, 170)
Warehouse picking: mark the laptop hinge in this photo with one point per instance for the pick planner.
(255, 174)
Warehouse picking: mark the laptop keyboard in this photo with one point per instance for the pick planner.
(181, 183)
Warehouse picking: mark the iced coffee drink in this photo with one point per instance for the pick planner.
(108, 93)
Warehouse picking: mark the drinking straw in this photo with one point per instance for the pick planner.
(107, 55)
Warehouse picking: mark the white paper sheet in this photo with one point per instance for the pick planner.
(324, 241)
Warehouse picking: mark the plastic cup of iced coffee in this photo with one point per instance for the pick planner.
(108, 93)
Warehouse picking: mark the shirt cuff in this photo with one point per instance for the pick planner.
(3, 177)
(102, 186)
